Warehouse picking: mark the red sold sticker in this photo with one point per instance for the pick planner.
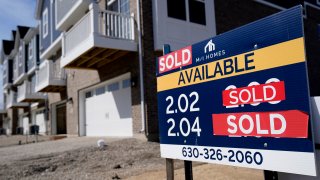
(285, 124)
(176, 59)
(274, 91)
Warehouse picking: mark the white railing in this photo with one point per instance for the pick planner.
(117, 25)
(22, 90)
(78, 34)
(49, 71)
(27, 89)
(96, 22)
(11, 99)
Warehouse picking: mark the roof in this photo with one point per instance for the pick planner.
(22, 31)
(7, 46)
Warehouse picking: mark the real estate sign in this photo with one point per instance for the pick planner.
(240, 98)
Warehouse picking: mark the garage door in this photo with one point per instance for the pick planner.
(108, 109)
(25, 124)
(40, 121)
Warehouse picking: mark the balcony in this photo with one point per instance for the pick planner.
(27, 93)
(12, 101)
(7, 74)
(50, 77)
(98, 38)
(69, 11)
(19, 75)
(6, 83)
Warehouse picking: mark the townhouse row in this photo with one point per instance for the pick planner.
(88, 68)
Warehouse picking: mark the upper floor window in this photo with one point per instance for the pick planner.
(4, 68)
(30, 49)
(187, 10)
(121, 6)
(20, 59)
(177, 9)
(45, 23)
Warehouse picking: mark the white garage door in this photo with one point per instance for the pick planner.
(108, 109)
(40, 121)
(25, 124)
(7, 125)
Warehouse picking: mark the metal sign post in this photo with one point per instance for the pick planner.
(240, 98)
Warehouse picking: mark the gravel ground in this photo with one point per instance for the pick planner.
(6, 141)
(80, 158)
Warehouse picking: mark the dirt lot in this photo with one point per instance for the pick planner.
(79, 158)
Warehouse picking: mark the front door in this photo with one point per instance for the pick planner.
(61, 119)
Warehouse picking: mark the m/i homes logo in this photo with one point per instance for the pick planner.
(210, 52)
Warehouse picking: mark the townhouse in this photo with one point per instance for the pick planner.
(20, 60)
(96, 65)
(95, 60)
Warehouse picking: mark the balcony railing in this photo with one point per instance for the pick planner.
(116, 25)
(31, 65)
(12, 100)
(19, 73)
(26, 92)
(103, 29)
(49, 75)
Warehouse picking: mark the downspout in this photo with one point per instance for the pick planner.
(143, 121)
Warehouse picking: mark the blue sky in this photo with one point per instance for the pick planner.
(13, 13)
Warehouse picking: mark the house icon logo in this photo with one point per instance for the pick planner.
(210, 46)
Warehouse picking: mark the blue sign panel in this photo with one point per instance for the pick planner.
(240, 98)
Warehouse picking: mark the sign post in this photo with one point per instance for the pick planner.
(240, 98)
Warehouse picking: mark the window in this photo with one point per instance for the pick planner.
(100, 90)
(20, 57)
(113, 87)
(30, 50)
(45, 23)
(89, 94)
(187, 10)
(125, 6)
(121, 6)
(197, 11)
(126, 83)
(177, 9)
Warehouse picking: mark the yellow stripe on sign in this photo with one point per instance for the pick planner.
(282, 54)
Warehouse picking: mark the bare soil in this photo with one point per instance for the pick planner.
(121, 159)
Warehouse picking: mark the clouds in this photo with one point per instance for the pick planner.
(13, 13)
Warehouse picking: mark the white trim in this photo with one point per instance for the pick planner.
(270, 4)
(52, 49)
(45, 23)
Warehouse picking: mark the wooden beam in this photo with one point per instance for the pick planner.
(117, 56)
(109, 53)
(93, 53)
